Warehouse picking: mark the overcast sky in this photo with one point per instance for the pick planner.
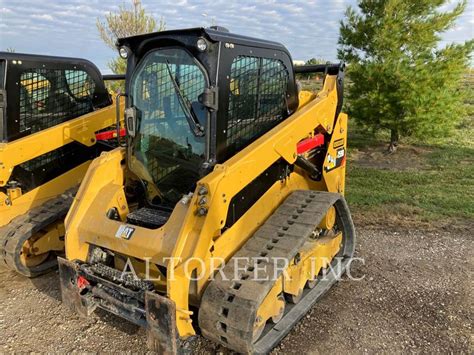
(309, 28)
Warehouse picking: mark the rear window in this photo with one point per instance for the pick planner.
(49, 97)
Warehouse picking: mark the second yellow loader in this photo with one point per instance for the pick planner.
(50, 111)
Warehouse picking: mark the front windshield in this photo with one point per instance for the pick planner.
(166, 153)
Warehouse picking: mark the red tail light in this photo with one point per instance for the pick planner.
(82, 282)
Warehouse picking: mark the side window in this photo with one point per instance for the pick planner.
(34, 90)
(80, 83)
(257, 99)
(52, 96)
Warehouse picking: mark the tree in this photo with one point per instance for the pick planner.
(311, 61)
(402, 79)
(127, 21)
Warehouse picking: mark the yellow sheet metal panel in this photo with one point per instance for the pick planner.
(81, 129)
(103, 171)
(43, 193)
(334, 167)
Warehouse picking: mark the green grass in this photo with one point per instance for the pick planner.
(437, 190)
(440, 190)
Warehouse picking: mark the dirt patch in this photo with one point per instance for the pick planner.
(415, 297)
(376, 157)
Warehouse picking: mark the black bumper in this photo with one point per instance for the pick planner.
(145, 308)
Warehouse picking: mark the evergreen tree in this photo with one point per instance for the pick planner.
(402, 79)
(314, 61)
(311, 61)
(127, 21)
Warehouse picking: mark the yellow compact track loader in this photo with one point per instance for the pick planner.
(224, 215)
(50, 111)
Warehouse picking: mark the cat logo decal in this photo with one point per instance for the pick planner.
(125, 232)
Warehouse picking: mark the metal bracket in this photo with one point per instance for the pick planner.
(3, 113)
(68, 272)
(131, 114)
(209, 98)
(161, 324)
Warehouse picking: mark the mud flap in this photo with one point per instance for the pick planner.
(70, 293)
(161, 324)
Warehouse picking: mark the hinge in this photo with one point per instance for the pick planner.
(209, 98)
(3, 114)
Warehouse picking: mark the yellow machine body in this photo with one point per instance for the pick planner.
(227, 169)
(31, 256)
(14, 153)
(188, 237)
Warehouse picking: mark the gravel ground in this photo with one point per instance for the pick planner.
(416, 296)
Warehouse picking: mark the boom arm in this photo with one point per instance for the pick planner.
(81, 129)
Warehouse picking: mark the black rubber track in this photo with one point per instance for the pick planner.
(21, 228)
(228, 307)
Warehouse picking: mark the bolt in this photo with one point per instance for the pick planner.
(297, 259)
(13, 184)
(202, 211)
(202, 190)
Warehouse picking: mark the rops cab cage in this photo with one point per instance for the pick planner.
(39, 92)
